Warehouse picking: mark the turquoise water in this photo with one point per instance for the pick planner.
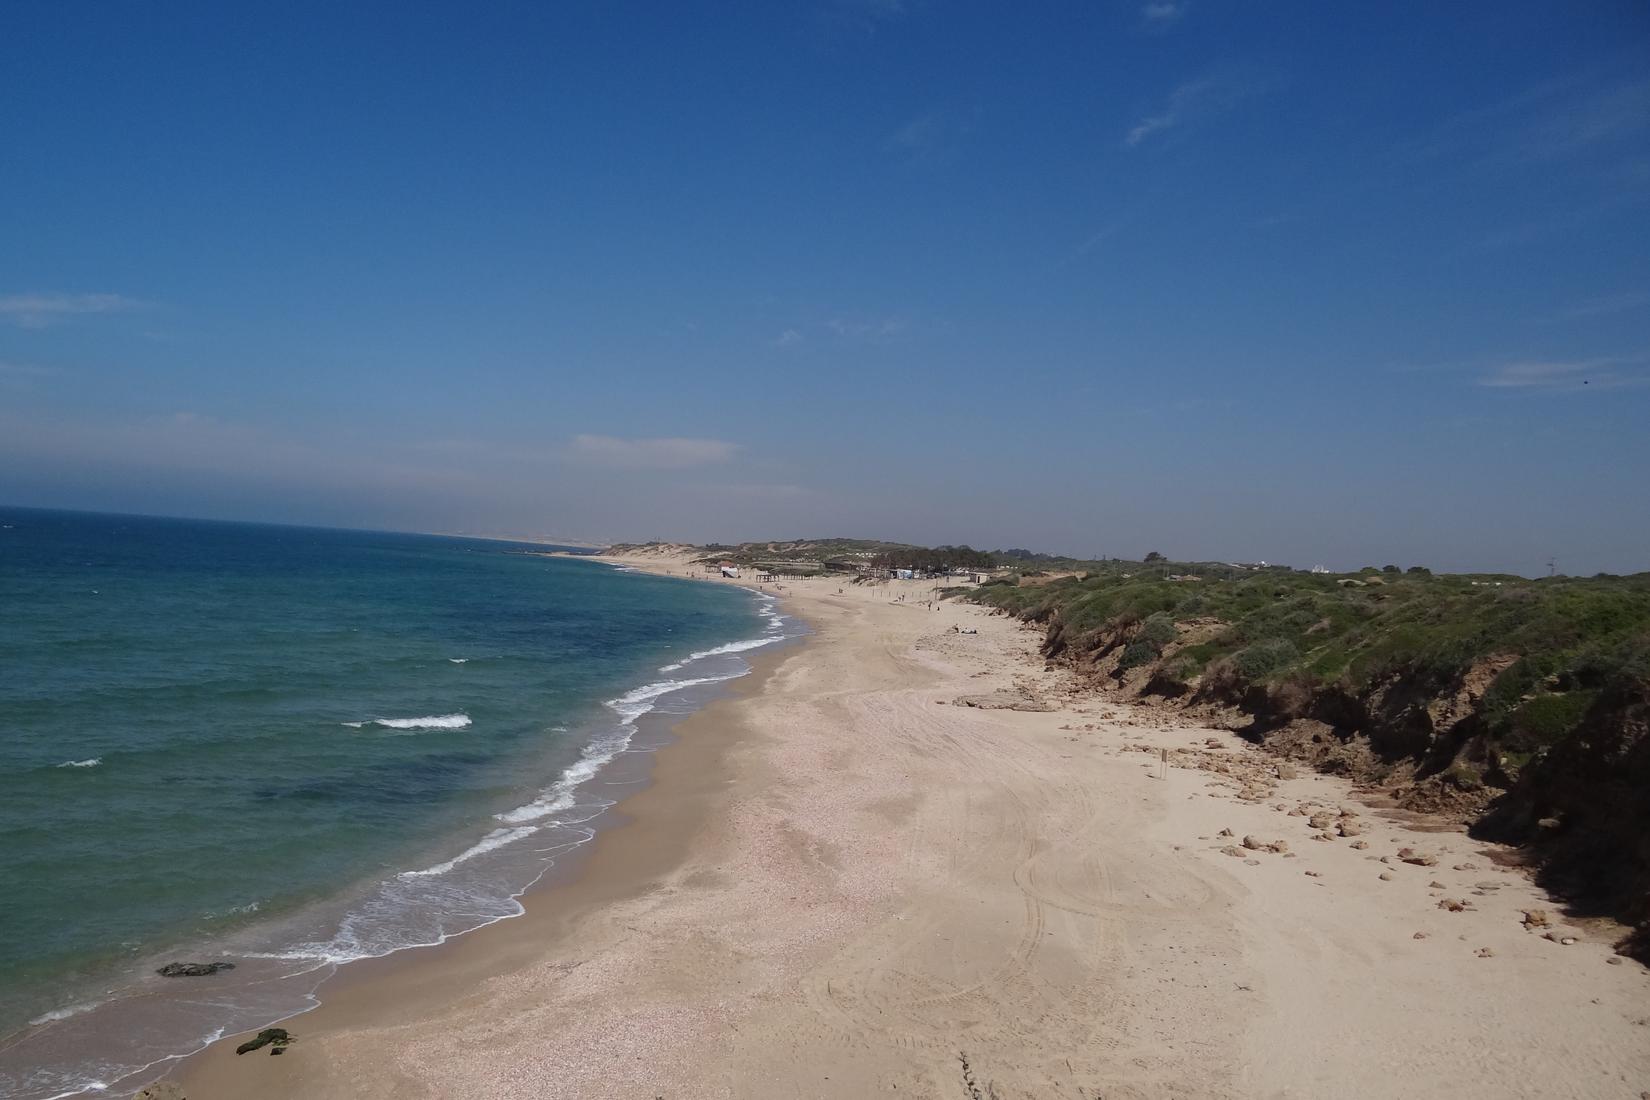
(294, 747)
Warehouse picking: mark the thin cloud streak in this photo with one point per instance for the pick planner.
(650, 454)
(1162, 14)
(1196, 101)
(1574, 374)
(39, 310)
(1605, 306)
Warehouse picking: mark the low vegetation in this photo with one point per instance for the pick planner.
(1520, 704)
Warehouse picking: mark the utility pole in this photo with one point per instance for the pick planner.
(1552, 566)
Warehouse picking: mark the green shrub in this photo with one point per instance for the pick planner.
(1159, 629)
(1256, 662)
(1136, 653)
(1547, 719)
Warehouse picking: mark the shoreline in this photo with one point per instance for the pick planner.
(652, 835)
(610, 766)
(874, 866)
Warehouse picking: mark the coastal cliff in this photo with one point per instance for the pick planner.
(1519, 707)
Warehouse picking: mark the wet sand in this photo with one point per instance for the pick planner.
(843, 883)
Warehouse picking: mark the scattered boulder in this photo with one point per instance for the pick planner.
(269, 1036)
(1255, 844)
(1419, 936)
(1455, 905)
(193, 970)
(1419, 859)
(1323, 819)
(1536, 918)
(1484, 953)
(1360, 844)
(1349, 827)
(1386, 876)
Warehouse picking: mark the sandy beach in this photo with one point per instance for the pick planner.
(903, 859)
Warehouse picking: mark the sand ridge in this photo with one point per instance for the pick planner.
(847, 881)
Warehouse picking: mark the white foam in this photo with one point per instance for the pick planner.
(637, 702)
(731, 647)
(498, 838)
(63, 1013)
(458, 660)
(89, 762)
(558, 797)
(428, 722)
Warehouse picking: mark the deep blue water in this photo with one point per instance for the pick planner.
(293, 747)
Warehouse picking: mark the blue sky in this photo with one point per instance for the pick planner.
(1301, 282)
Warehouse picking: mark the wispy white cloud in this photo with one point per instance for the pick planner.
(1604, 306)
(789, 338)
(861, 16)
(1556, 118)
(1197, 101)
(927, 139)
(25, 370)
(39, 310)
(650, 454)
(1162, 14)
(1568, 374)
(1574, 124)
(867, 331)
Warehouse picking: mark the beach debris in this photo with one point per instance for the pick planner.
(161, 1090)
(276, 1037)
(193, 970)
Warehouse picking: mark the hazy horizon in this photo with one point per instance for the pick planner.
(1298, 283)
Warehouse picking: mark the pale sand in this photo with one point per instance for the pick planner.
(843, 885)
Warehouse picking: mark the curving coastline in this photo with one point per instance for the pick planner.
(843, 881)
(87, 1048)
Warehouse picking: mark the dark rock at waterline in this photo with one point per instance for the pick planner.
(193, 970)
(276, 1035)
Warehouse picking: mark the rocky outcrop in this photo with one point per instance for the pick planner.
(276, 1038)
(193, 970)
(1580, 808)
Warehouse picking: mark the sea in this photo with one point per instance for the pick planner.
(290, 748)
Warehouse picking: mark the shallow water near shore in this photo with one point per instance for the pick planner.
(291, 748)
